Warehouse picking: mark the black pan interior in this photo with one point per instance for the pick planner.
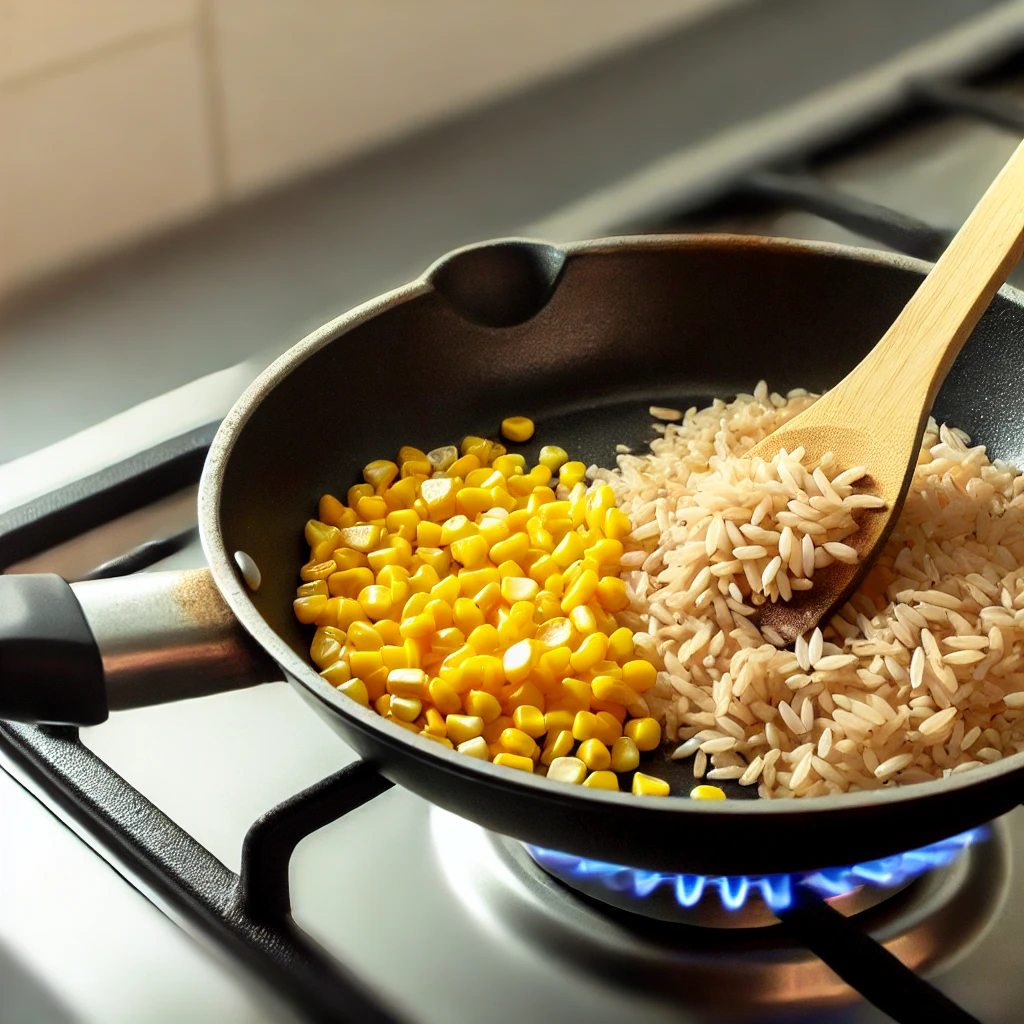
(675, 322)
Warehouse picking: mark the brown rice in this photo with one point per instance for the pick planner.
(921, 675)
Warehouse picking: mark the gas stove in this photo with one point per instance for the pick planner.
(302, 886)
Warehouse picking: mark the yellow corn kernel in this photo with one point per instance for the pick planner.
(558, 744)
(484, 639)
(382, 704)
(389, 632)
(438, 494)
(602, 780)
(471, 552)
(487, 598)
(442, 459)
(403, 494)
(424, 579)
(349, 558)
(608, 728)
(456, 528)
(379, 473)
(611, 594)
(616, 711)
(437, 559)
(440, 612)
(517, 428)
(541, 477)
(476, 747)
(594, 754)
(542, 569)
(606, 553)
(501, 499)
(625, 756)
(416, 604)
(450, 669)
(328, 646)
(409, 453)
(417, 626)
(557, 632)
(558, 721)
(484, 705)
(363, 637)
(349, 582)
(640, 675)
(376, 683)
(384, 557)
(428, 534)
(507, 465)
(358, 491)
(363, 663)
(584, 725)
(473, 499)
(317, 571)
(567, 769)
(529, 719)
(580, 591)
(539, 536)
(648, 785)
(519, 588)
(571, 473)
(463, 727)
(314, 588)
(509, 569)
(308, 609)
(518, 661)
(707, 793)
(585, 622)
(644, 732)
(473, 443)
(547, 606)
(620, 646)
(473, 581)
(493, 730)
(403, 724)
(371, 508)
(553, 457)
(571, 695)
(515, 741)
(356, 690)
(330, 510)
(394, 657)
(444, 698)
(513, 761)
(405, 709)
(526, 693)
(483, 672)
(364, 538)
(376, 601)
(494, 531)
(589, 652)
(616, 524)
(403, 522)
(554, 510)
(349, 610)
(318, 534)
(416, 469)
(338, 672)
(608, 688)
(392, 574)
(447, 590)
(466, 616)
(568, 550)
(408, 682)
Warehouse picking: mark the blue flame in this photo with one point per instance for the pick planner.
(775, 890)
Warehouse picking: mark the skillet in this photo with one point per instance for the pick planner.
(582, 338)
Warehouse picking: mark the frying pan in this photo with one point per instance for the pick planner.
(582, 338)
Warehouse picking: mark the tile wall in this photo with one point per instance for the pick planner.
(119, 118)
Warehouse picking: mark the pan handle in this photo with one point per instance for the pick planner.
(71, 653)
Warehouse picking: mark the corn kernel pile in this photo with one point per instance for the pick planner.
(472, 600)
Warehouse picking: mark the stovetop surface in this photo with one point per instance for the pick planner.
(375, 888)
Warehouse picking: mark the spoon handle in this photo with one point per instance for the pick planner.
(915, 354)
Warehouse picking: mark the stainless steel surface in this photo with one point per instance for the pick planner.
(168, 636)
(934, 923)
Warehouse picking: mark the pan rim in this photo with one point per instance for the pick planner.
(235, 594)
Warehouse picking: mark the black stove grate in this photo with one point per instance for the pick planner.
(248, 915)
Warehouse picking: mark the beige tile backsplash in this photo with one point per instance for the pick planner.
(121, 117)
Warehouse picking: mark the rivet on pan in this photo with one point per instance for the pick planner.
(250, 570)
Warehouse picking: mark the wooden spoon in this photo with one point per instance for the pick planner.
(876, 415)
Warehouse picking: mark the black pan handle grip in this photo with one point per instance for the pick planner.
(50, 665)
(71, 653)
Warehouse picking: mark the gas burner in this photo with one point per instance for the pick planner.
(719, 901)
(929, 921)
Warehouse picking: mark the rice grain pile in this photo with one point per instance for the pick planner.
(921, 675)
